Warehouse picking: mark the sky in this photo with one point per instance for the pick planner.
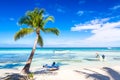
(82, 23)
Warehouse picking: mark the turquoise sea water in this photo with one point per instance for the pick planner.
(16, 57)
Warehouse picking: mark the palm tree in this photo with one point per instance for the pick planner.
(36, 23)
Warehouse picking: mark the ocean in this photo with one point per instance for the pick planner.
(17, 57)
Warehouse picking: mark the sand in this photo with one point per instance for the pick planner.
(72, 72)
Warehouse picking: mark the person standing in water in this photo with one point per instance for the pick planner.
(103, 57)
(97, 55)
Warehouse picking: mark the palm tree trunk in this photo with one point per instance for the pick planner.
(28, 63)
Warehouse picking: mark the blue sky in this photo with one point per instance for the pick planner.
(82, 23)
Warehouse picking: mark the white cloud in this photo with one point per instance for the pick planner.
(85, 27)
(80, 13)
(91, 25)
(115, 7)
(109, 32)
(11, 19)
(60, 10)
(104, 33)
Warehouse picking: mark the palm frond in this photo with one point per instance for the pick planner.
(22, 33)
(40, 41)
(41, 12)
(51, 30)
(32, 18)
(25, 20)
(50, 18)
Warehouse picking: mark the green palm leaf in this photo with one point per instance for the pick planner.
(50, 18)
(40, 41)
(25, 20)
(51, 30)
(22, 33)
(41, 11)
(32, 18)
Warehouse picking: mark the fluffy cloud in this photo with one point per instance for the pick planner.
(109, 32)
(115, 7)
(85, 27)
(91, 25)
(104, 32)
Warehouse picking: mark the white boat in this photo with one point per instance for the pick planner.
(61, 51)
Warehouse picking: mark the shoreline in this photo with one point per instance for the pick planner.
(78, 64)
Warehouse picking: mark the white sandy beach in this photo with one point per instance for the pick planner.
(72, 72)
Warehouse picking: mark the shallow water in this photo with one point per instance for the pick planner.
(16, 57)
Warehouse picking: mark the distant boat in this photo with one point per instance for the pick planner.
(61, 51)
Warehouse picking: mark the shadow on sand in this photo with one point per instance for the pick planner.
(97, 76)
(114, 74)
(14, 76)
(44, 71)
